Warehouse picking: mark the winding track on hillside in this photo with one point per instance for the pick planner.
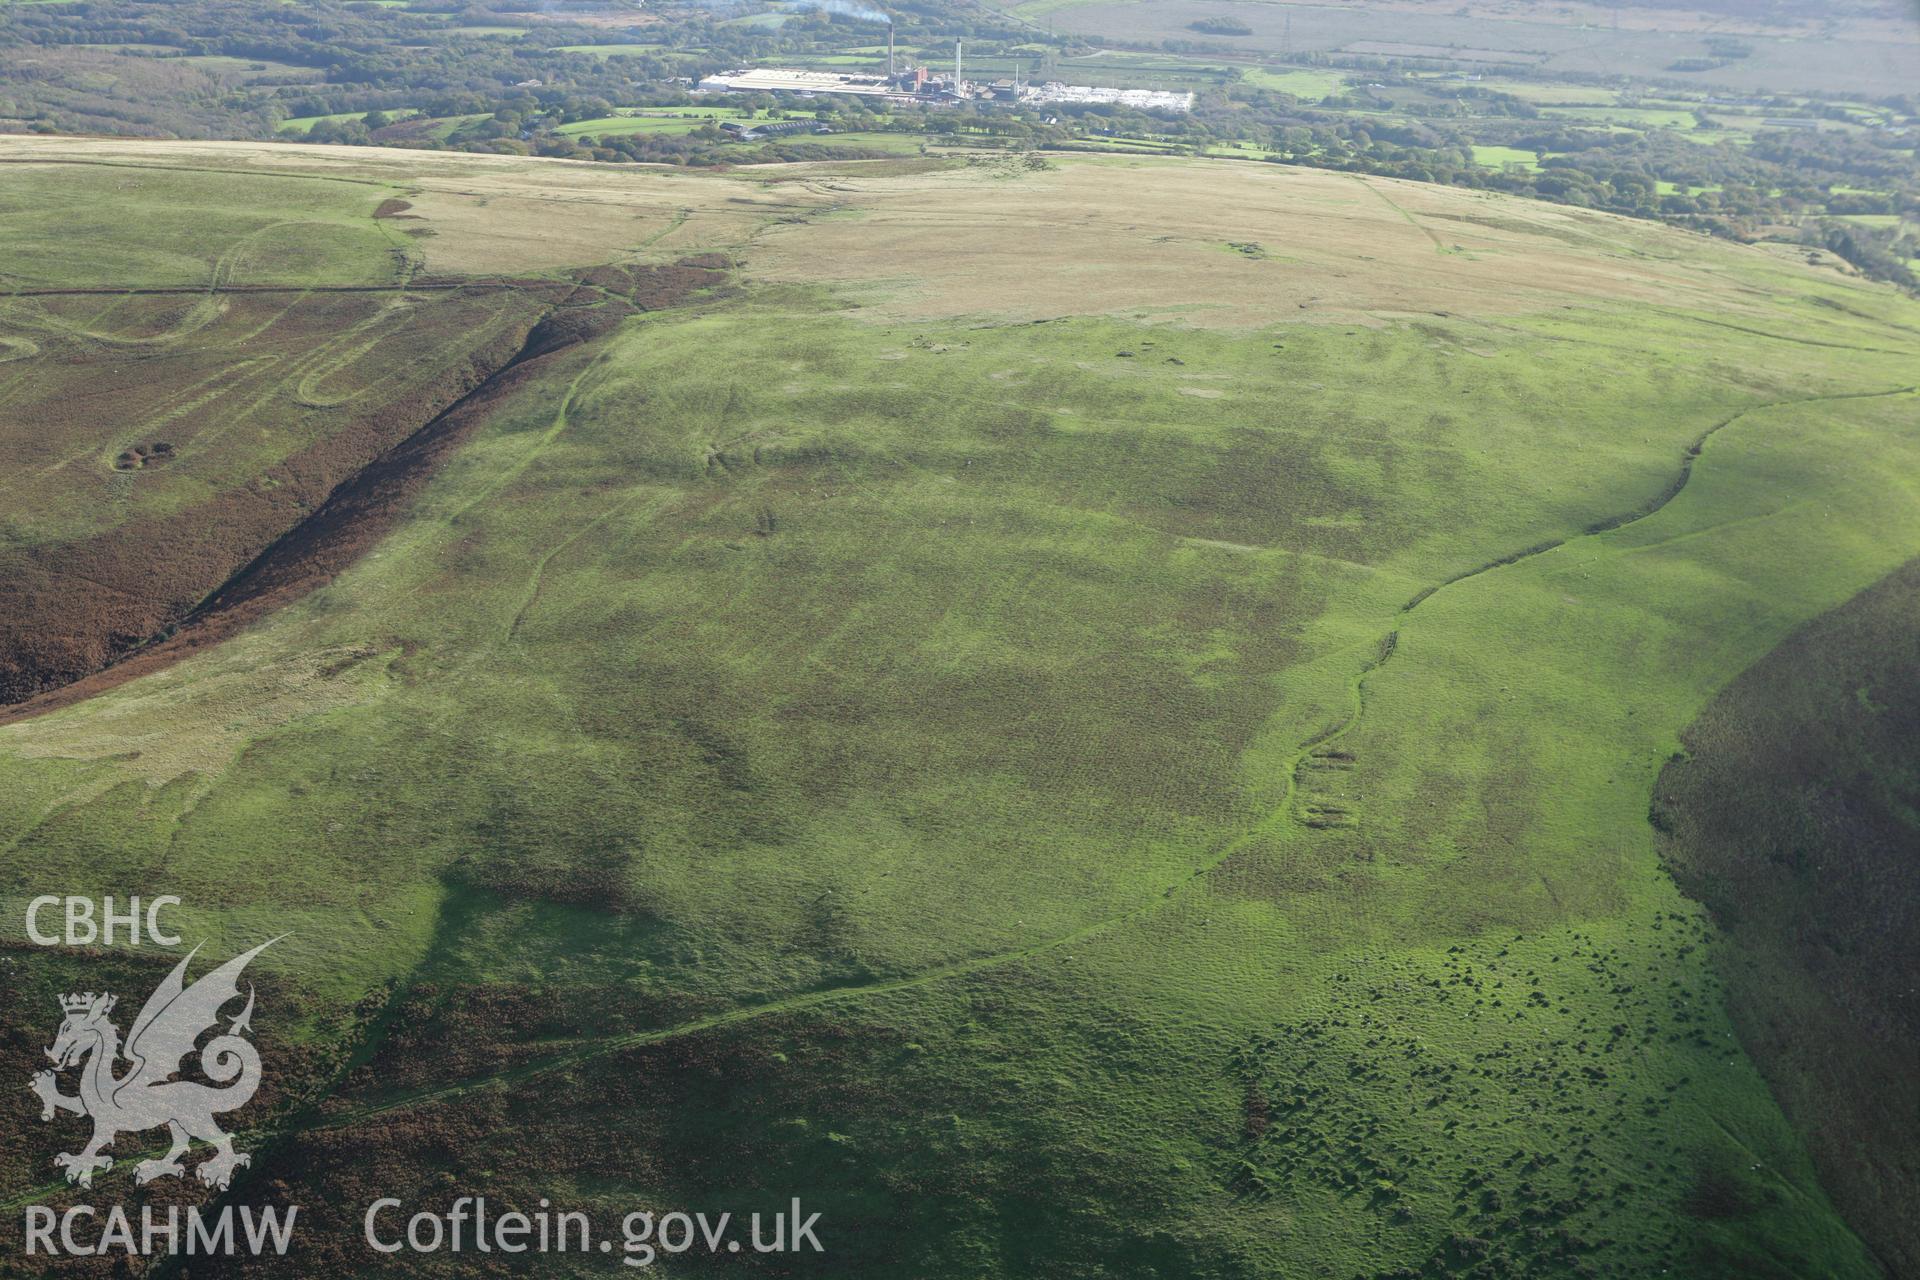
(594, 1048)
(1675, 487)
(1283, 814)
(1283, 811)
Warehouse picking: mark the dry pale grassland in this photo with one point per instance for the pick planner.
(241, 692)
(1225, 243)
(488, 215)
(1210, 243)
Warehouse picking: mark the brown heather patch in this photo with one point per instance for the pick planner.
(83, 617)
(68, 609)
(29, 1015)
(1792, 819)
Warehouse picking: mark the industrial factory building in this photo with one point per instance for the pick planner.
(921, 84)
(787, 80)
(916, 85)
(1053, 93)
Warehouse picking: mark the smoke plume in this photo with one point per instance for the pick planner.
(846, 9)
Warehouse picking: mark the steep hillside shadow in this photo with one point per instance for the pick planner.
(1795, 818)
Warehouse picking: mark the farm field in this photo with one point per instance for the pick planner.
(1059, 707)
(663, 120)
(1500, 157)
(1637, 117)
(1310, 86)
(1547, 93)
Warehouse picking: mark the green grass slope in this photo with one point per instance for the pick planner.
(1086, 798)
(1793, 818)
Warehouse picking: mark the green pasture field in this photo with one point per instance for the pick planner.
(1310, 86)
(303, 124)
(674, 120)
(194, 228)
(1547, 92)
(1501, 157)
(1052, 795)
(1638, 117)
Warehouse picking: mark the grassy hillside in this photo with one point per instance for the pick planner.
(1792, 817)
(1093, 720)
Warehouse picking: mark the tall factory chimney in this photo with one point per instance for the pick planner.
(889, 51)
(956, 68)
